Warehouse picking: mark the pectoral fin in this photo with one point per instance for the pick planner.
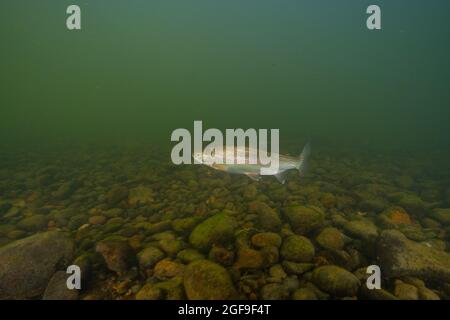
(281, 177)
(255, 177)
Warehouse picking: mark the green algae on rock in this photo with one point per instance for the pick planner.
(304, 219)
(336, 281)
(297, 248)
(214, 230)
(206, 280)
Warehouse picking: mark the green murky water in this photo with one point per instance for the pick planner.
(85, 170)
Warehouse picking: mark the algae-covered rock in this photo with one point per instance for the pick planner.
(215, 230)
(221, 255)
(118, 254)
(149, 292)
(206, 280)
(400, 256)
(331, 238)
(166, 269)
(336, 281)
(304, 294)
(33, 223)
(171, 246)
(65, 190)
(185, 225)
(405, 291)
(442, 215)
(148, 257)
(248, 258)
(265, 239)
(140, 195)
(274, 291)
(27, 265)
(297, 268)
(362, 229)
(189, 255)
(304, 219)
(267, 217)
(297, 248)
(170, 290)
(116, 194)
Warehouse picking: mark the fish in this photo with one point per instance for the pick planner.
(253, 171)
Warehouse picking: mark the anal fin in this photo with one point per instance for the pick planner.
(281, 177)
(255, 177)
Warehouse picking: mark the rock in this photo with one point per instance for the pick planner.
(27, 265)
(66, 190)
(148, 257)
(304, 219)
(248, 258)
(412, 203)
(331, 238)
(77, 221)
(268, 218)
(4, 207)
(171, 246)
(206, 280)
(297, 248)
(274, 291)
(149, 292)
(140, 195)
(265, 239)
(152, 228)
(400, 257)
(250, 192)
(442, 215)
(218, 229)
(172, 289)
(189, 255)
(221, 255)
(427, 294)
(57, 288)
(297, 268)
(270, 255)
(97, 220)
(404, 181)
(336, 281)
(362, 229)
(16, 234)
(166, 269)
(116, 194)
(304, 294)
(405, 291)
(185, 225)
(33, 223)
(395, 216)
(5, 229)
(118, 254)
(372, 204)
(277, 271)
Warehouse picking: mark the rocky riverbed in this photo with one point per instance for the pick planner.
(142, 228)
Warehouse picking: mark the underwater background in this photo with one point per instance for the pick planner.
(85, 170)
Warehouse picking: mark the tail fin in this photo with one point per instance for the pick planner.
(301, 166)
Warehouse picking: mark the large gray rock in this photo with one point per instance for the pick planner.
(27, 265)
(57, 288)
(400, 257)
